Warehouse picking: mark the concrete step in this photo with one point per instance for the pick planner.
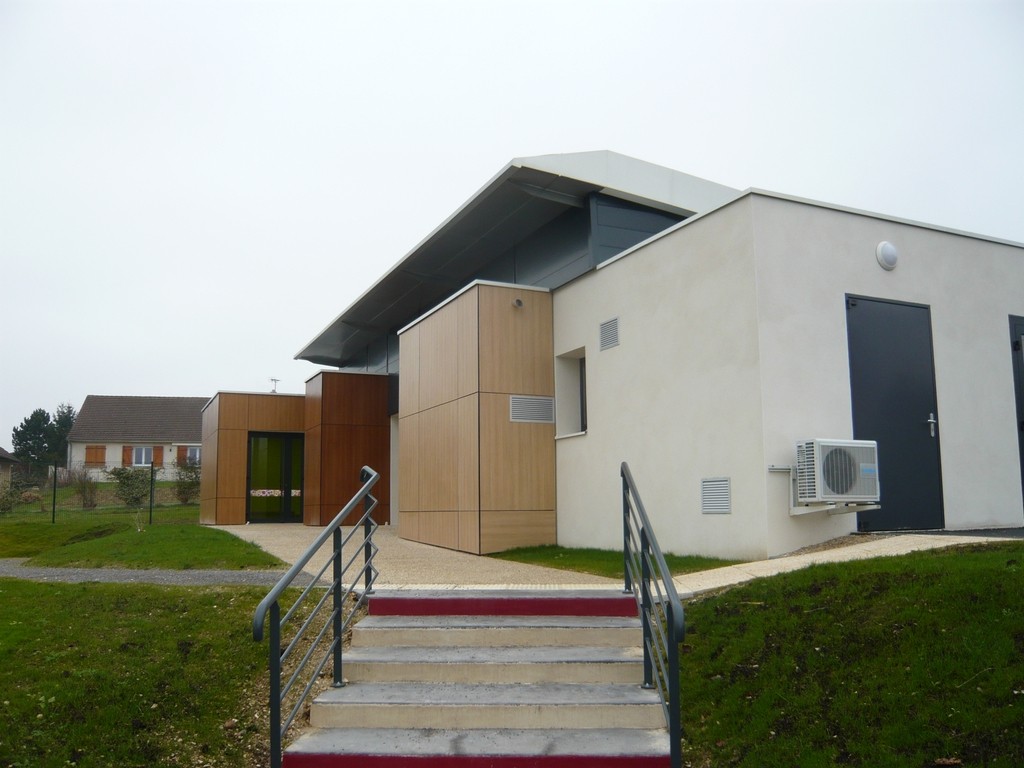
(437, 631)
(455, 707)
(511, 602)
(531, 664)
(482, 748)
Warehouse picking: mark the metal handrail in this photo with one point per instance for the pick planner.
(647, 577)
(334, 624)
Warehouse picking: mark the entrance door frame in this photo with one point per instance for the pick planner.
(868, 521)
(1017, 350)
(286, 472)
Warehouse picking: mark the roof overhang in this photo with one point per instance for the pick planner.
(524, 196)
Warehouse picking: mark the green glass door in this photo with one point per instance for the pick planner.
(275, 478)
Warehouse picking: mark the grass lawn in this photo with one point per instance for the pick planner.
(130, 675)
(601, 562)
(903, 661)
(906, 661)
(112, 540)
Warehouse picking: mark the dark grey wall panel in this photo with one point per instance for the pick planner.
(377, 355)
(618, 225)
(560, 250)
(551, 249)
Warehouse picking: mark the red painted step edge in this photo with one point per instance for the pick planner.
(307, 760)
(396, 605)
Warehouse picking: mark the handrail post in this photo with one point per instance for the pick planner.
(339, 681)
(275, 685)
(367, 548)
(628, 586)
(661, 649)
(675, 717)
(645, 596)
(332, 626)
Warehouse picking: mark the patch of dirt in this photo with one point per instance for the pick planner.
(839, 542)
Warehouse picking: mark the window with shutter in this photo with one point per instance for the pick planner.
(95, 456)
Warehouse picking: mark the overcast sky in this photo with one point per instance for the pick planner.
(191, 190)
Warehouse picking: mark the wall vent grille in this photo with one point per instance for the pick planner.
(530, 409)
(716, 496)
(609, 334)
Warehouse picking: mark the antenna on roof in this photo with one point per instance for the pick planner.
(274, 390)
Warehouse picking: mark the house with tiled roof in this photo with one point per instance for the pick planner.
(124, 431)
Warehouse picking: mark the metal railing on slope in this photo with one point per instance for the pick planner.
(344, 602)
(661, 611)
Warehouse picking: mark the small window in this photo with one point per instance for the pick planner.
(571, 392)
(192, 456)
(142, 455)
(583, 394)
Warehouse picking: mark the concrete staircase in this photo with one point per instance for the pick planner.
(528, 679)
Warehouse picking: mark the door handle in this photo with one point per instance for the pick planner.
(931, 422)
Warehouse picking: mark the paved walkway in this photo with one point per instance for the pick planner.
(408, 565)
(13, 567)
(873, 546)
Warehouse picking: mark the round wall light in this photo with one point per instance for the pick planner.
(887, 255)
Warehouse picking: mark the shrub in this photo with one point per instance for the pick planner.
(186, 484)
(132, 485)
(8, 498)
(85, 486)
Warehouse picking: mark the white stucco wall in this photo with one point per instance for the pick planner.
(113, 458)
(679, 398)
(808, 258)
(733, 347)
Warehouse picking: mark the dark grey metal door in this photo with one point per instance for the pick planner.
(892, 389)
(1017, 347)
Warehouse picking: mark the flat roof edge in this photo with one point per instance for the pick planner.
(752, 191)
(474, 284)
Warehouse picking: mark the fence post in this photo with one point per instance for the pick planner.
(53, 511)
(152, 488)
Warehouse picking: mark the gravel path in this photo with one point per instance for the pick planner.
(13, 567)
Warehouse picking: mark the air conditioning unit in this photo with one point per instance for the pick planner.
(837, 471)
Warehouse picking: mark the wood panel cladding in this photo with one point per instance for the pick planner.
(227, 420)
(347, 427)
(467, 473)
(345, 423)
(516, 342)
(444, 355)
(518, 459)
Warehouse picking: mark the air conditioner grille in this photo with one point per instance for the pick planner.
(837, 470)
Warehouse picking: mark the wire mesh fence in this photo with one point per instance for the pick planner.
(150, 494)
